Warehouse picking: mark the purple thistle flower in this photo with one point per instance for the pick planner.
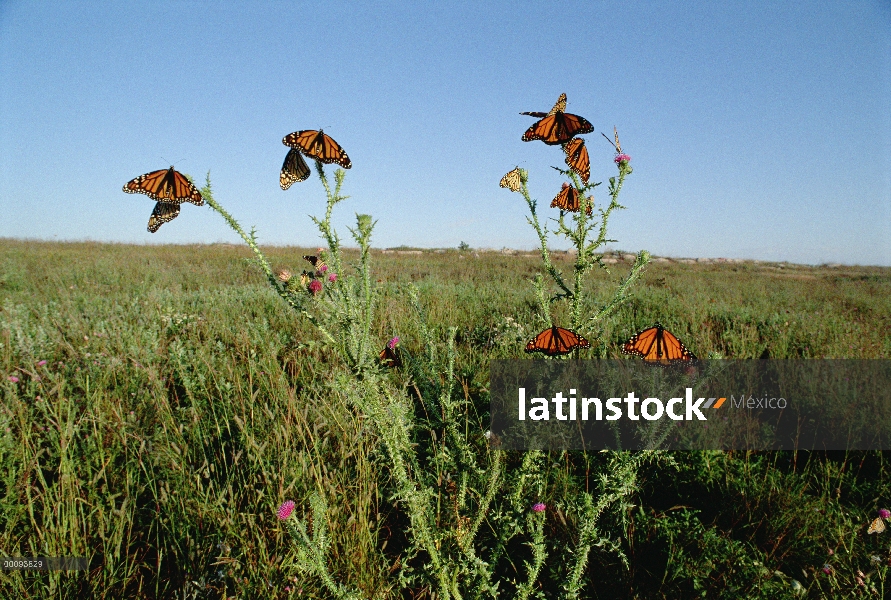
(323, 268)
(827, 569)
(539, 507)
(884, 513)
(392, 343)
(332, 277)
(13, 378)
(40, 363)
(622, 158)
(285, 510)
(315, 286)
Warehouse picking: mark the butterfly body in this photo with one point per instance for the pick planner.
(556, 127)
(318, 146)
(165, 185)
(294, 169)
(615, 144)
(556, 341)
(658, 345)
(568, 200)
(577, 158)
(512, 180)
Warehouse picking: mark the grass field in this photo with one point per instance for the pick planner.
(181, 402)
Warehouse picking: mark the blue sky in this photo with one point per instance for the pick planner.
(756, 130)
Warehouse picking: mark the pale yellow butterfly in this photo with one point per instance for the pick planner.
(615, 145)
(512, 180)
(877, 526)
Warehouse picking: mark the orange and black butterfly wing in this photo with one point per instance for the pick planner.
(555, 341)
(146, 184)
(541, 342)
(318, 146)
(294, 169)
(577, 158)
(642, 343)
(558, 128)
(568, 340)
(185, 190)
(658, 345)
(673, 350)
(569, 126)
(165, 185)
(567, 199)
(313, 259)
(542, 130)
(389, 357)
(164, 212)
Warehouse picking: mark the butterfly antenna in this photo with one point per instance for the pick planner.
(607, 139)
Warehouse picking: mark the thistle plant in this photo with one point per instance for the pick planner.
(340, 308)
(587, 233)
(481, 522)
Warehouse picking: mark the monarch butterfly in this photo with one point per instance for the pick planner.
(164, 212)
(877, 526)
(294, 169)
(560, 106)
(388, 356)
(577, 158)
(556, 340)
(557, 127)
(317, 145)
(166, 185)
(512, 180)
(658, 345)
(568, 199)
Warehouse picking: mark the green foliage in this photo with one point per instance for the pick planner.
(232, 414)
(448, 553)
(181, 403)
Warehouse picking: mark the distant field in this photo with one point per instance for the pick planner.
(738, 309)
(182, 401)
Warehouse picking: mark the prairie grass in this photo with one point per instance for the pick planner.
(182, 402)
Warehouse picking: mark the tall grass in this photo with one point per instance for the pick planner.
(190, 401)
